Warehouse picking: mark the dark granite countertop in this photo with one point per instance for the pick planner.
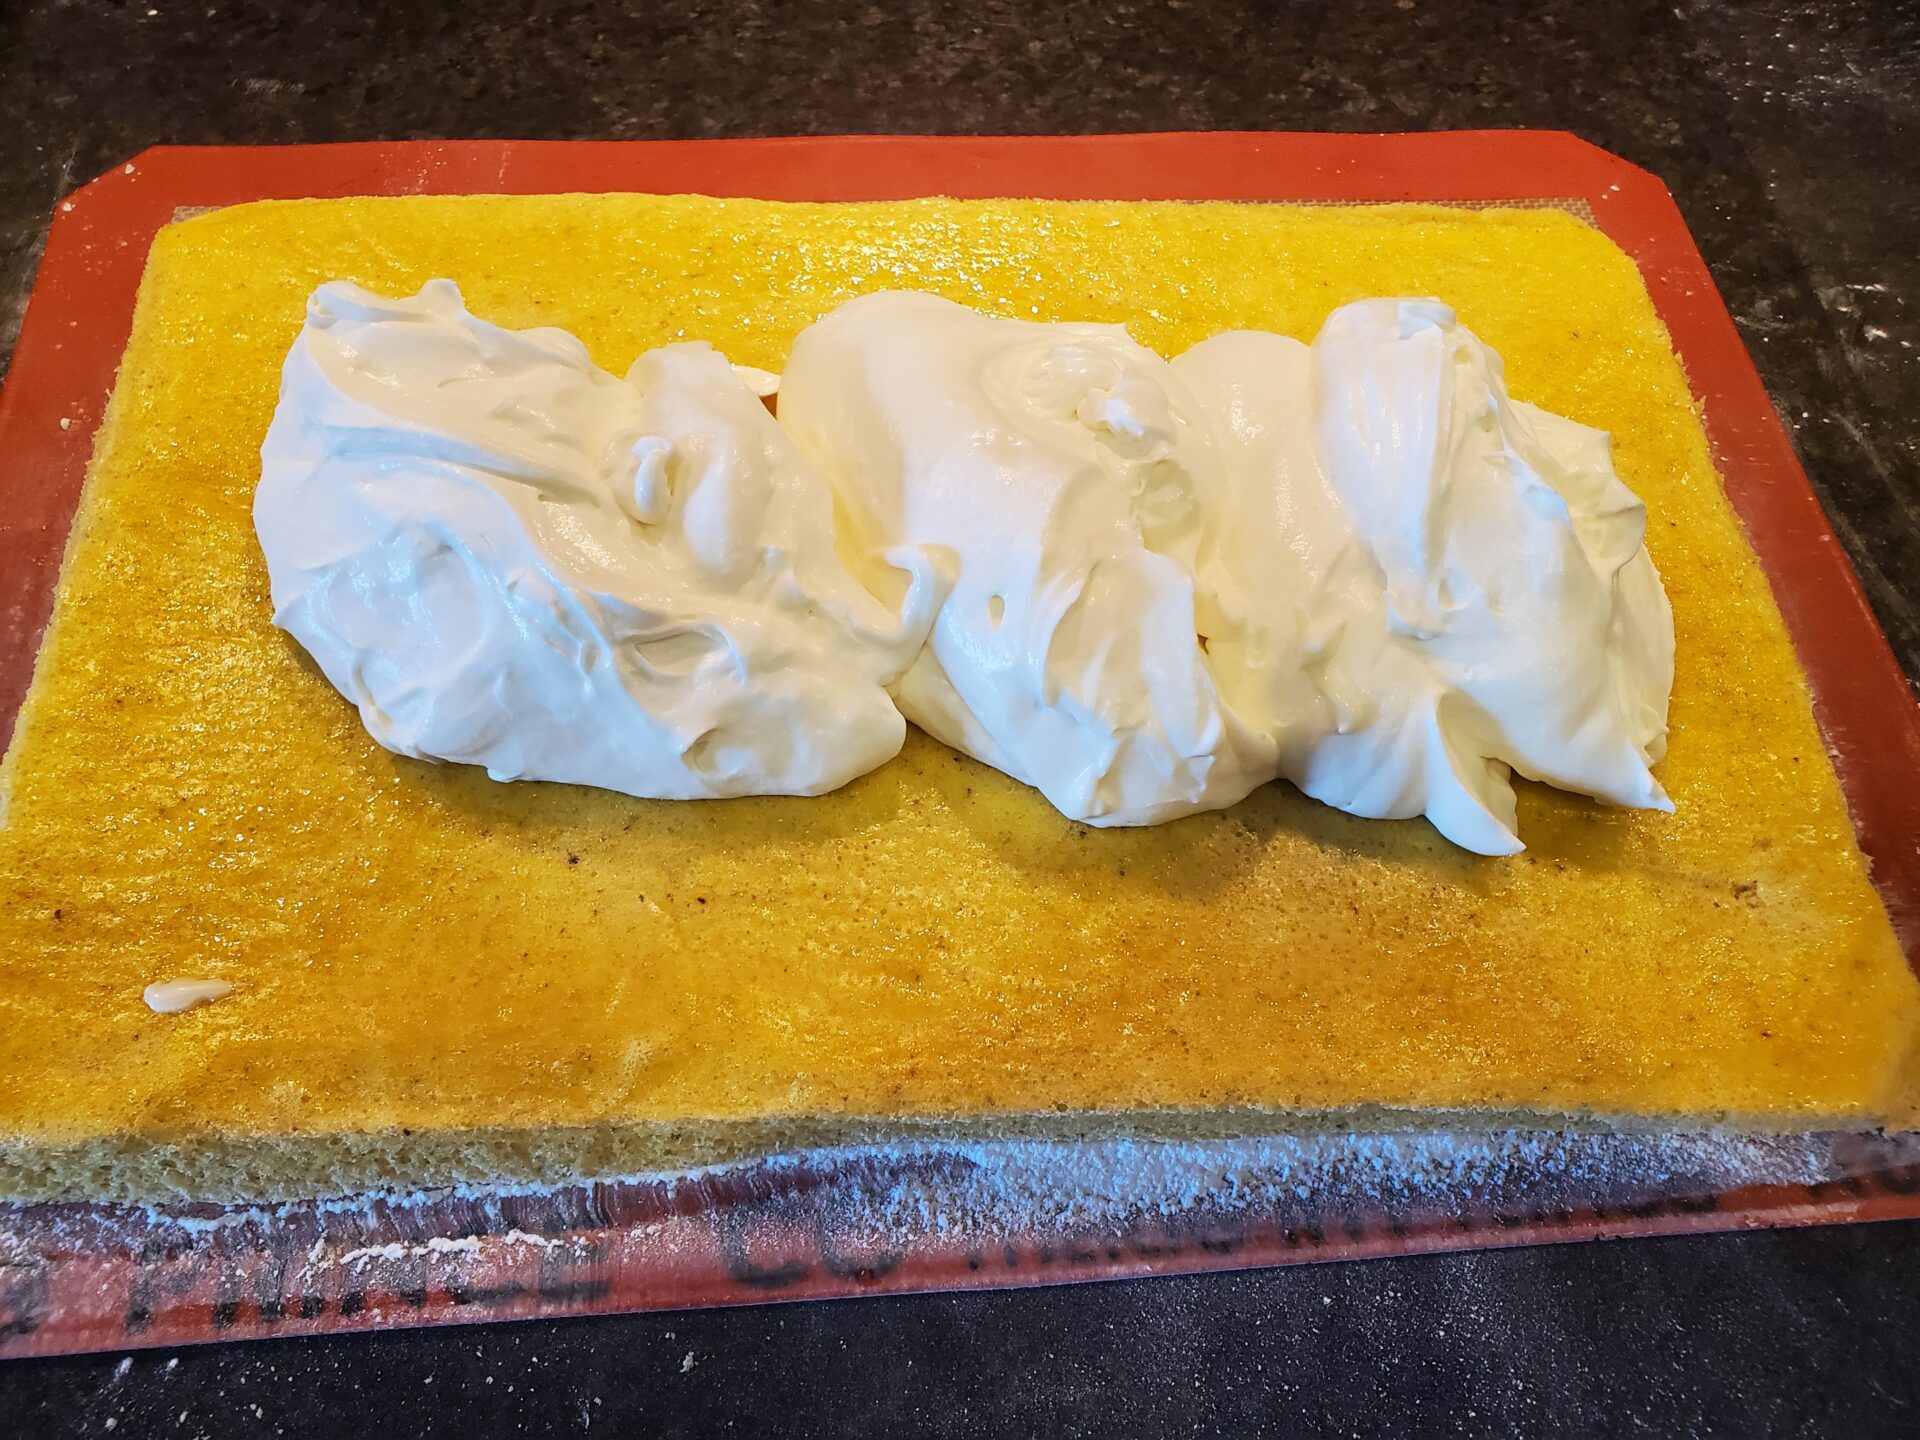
(1777, 126)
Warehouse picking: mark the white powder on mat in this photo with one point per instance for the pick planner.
(1026, 1186)
(983, 1191)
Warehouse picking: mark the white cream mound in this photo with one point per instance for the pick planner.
(1143, 587)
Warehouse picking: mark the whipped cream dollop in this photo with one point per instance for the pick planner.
(507, 557)
(1450, 585)
(1075, 481)
(1143, 587)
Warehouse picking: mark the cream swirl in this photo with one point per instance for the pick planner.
(1073, 478)
(505, 556)
(1143, 588)
(1452, 584)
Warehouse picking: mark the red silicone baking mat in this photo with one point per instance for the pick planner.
(931, 1214)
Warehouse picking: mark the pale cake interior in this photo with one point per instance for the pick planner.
(441, 978)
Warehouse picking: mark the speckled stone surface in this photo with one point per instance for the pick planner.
(1779, 128)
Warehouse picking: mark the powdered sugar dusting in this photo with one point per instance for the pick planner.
(957, 1187)
(902, 1213)
(1012, 1187)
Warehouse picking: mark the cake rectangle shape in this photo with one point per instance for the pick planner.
(415, 948)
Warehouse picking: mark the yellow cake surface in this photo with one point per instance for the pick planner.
(436, 976)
